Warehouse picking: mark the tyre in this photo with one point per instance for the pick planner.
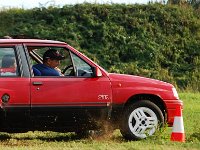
(141, 120)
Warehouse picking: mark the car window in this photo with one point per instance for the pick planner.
(36, 54)
(8, 63)
(82, 68)
(71, 66)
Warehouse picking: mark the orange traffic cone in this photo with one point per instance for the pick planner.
(178, 133)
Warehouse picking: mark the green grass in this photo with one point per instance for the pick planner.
(161, 141)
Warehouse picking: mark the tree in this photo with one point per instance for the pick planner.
(194, 3)
(177, 2)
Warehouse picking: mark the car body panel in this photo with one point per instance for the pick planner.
(70, 91)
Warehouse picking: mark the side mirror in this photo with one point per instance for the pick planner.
(98, 72)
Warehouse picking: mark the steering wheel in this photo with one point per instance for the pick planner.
(70, 67)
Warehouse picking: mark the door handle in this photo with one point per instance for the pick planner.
(37, 83)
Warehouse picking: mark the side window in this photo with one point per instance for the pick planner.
(70, 66)
(47, 68)
(8, 65)
(82, 69)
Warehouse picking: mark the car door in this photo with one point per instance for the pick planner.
(14, 85)
(78, 91)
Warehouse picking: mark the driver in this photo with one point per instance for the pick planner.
(51, 60)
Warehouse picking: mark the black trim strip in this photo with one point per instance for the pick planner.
(72, 104)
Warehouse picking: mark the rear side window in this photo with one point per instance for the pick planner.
(8, 65)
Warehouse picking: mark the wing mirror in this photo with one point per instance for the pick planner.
(98, 72)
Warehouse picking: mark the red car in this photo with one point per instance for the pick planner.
(82, 99)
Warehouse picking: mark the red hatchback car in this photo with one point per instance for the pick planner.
(82, 99)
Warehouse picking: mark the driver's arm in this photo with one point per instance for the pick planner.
(58, 69)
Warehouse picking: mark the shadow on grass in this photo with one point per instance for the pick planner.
(4, 136)
(194, 137)
(56, 137)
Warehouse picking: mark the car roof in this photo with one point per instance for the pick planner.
(30, 41)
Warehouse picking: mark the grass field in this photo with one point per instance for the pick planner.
(59, 141)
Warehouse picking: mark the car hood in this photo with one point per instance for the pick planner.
(138, 81)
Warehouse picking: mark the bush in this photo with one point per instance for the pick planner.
(154, 40)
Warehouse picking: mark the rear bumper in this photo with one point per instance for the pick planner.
(171, 109)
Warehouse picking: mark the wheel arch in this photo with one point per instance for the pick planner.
(152, 98)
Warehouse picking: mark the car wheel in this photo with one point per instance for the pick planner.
(141, 120)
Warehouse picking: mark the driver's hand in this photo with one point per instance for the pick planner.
(58, 69)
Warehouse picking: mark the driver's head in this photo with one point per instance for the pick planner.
(52, 58)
